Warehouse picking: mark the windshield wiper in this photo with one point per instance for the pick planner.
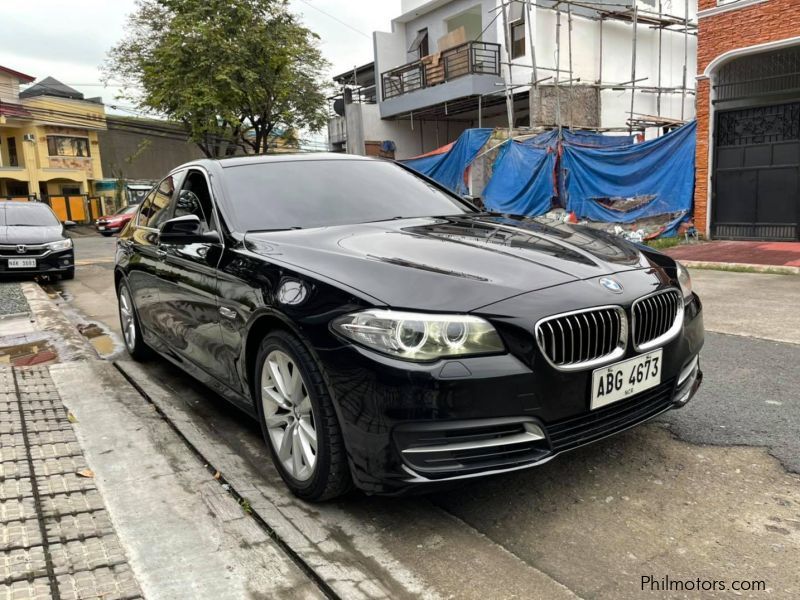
(386, 219)
(295, 228)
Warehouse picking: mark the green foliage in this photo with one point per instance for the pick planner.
(234, 72)
(664, 243)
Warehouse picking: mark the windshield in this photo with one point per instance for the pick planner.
(126, 210)
(319, 193)
(27, 214)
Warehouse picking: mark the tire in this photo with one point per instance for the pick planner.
(106, 233)
(311, 475)
(68, 274)
(129, 324)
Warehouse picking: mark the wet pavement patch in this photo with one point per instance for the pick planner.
(101, 339)
(12, 300)
(27, 350)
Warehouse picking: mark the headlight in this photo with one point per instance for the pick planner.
(417, 336)
(60, 245)
(685, 281)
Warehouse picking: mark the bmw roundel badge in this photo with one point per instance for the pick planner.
(612, 285)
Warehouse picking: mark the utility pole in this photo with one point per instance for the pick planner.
(685, 56)
(571, 74)
(509, 81)
(534, 102)
(633, 66)
(558, 69)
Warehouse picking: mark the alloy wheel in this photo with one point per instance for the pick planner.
(289, 415)
(127, 318)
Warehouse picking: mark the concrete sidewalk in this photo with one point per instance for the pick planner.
(99, 497)
(57, 536)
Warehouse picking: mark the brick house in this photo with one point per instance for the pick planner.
(748, 119)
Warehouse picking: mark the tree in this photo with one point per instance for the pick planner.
(232, 71)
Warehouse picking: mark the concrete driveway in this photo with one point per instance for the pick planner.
(706, 494)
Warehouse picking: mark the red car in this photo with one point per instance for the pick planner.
(108, 224)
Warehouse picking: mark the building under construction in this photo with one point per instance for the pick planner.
(623, 66)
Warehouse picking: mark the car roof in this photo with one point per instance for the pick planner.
(23, 203)
(238, 161)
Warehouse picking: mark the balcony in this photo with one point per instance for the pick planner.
(472, 58)
(469, 69)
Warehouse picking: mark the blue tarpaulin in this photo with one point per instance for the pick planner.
(548, 139)
(448, 168)
(522, 180)
(607, 179)
(628, 183)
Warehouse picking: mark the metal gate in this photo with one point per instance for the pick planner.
(70, 208)
(755, 191)
(757, 173)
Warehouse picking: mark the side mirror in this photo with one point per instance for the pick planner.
(70, 224)
(186, 230)
(473, 201)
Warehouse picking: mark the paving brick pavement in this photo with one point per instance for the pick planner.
(56, 538)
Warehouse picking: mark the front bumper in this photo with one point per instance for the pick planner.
(109, 227)
(409, 425)
(48, 263)
(481, 447)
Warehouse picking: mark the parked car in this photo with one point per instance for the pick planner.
(110, 224)
(386, 333)
(33, 241)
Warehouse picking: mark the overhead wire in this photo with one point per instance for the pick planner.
(337, 19)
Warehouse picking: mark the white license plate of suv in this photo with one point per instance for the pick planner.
(21, 263)
(625, 379)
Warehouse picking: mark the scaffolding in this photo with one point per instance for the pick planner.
(602, 12)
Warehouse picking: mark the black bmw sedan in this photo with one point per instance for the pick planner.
(33, 241)
(387, 334)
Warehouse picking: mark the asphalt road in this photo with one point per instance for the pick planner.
(751, 391)
(693, 494)
(750, 397)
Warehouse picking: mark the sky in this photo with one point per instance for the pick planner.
(69, 40)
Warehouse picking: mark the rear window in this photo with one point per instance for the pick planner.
(319, 193)
(126, 210)
(27, 214)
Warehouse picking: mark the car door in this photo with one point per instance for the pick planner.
(145, 257)
(189, 281)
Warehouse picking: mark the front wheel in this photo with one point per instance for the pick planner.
(68, 274)
(298, 420)
(129, 323)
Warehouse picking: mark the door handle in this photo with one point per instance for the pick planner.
(162, 254)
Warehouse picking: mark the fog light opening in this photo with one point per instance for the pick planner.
(689, 385)
(690, 370)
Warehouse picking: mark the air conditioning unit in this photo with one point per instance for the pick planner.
(29, 137)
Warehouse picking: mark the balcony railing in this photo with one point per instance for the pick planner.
(472, 58)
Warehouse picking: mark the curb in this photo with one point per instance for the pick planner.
(49, 317)
(744, 267)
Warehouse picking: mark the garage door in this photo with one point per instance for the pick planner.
(756, 170)
(757, 174)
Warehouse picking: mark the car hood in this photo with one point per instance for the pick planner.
(450, 263)
(10, 234)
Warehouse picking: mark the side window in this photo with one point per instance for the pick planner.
(154, 210)
(195, 199)
(144, 210)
